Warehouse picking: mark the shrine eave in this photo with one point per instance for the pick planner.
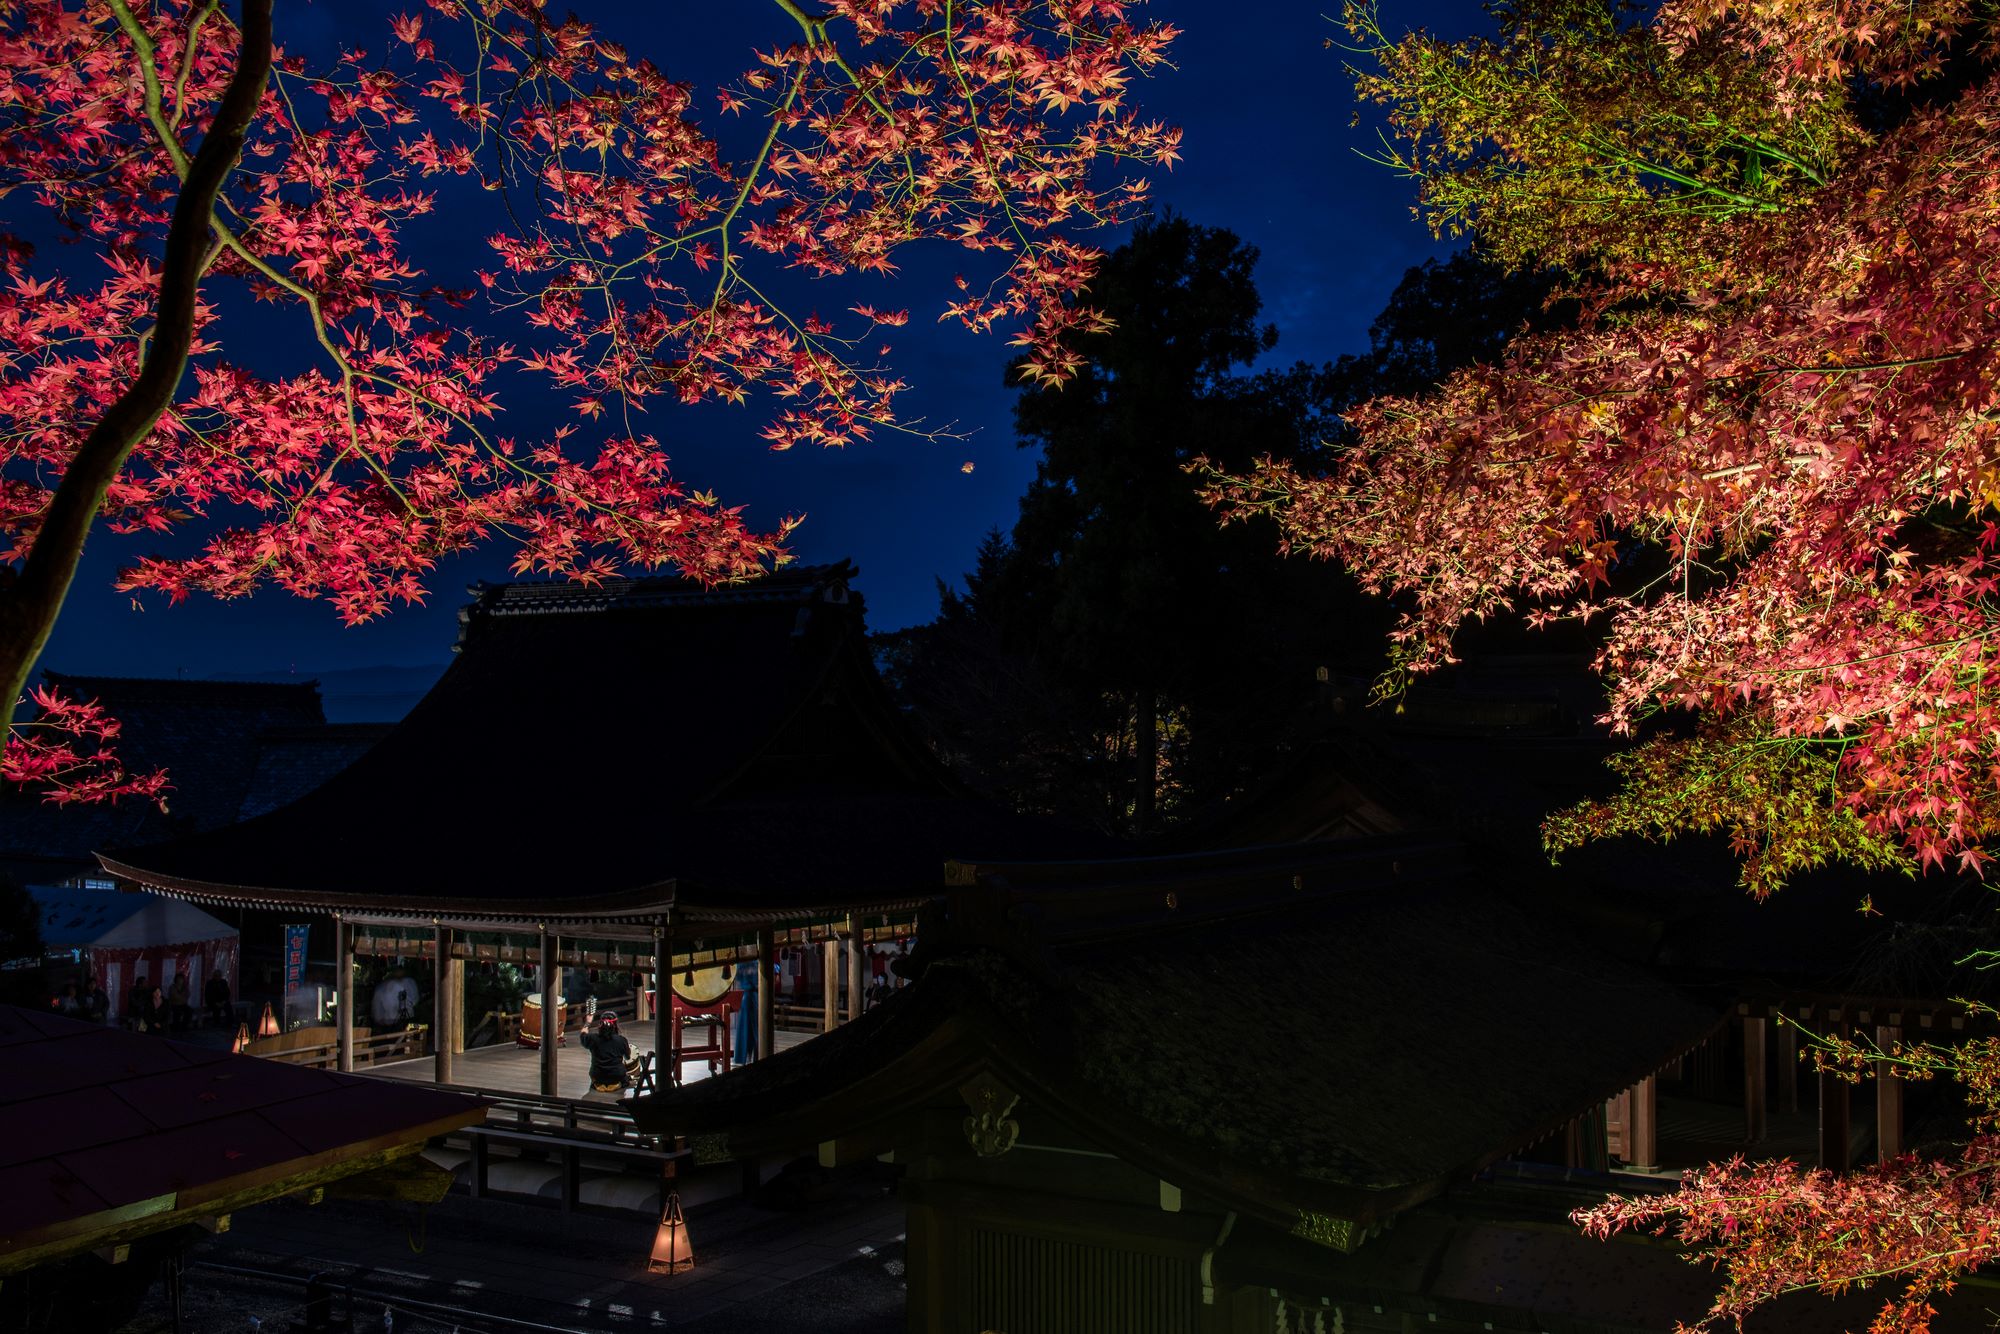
(637, 910)
(646, 904)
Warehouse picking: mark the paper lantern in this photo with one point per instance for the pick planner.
(671, 1252)
(267, 1027)
(242, 1043)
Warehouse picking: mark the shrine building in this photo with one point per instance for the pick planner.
(644, 777)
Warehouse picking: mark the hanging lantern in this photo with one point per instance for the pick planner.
(267, 1027)
(242, 1043)
(671, 1252)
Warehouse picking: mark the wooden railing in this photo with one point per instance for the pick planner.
(507, 1023)
(795, 1018)
(396, 1045)
(566, 1130)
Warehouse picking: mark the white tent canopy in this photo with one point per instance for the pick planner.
(131, 936)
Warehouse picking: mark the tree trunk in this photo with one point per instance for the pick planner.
(28, 609)
(1145, 760)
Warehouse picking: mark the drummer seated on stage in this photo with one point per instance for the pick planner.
(610, 1053)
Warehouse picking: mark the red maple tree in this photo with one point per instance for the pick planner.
(195, 167)
(1788, 384)
(1784, 396)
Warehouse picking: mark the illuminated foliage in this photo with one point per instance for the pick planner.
(1803, 418)
(1913, 1225)
(627, 263)
(1787, 385)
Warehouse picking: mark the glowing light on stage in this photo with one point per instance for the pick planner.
(267, 1027)
(242, 1043)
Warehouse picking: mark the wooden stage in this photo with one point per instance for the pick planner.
(507, 1068)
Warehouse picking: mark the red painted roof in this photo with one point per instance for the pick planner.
(100, 1127)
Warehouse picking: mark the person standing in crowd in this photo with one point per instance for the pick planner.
(179, 1013)
(97, 1005)
(610, 1054)
(67, 1003)
(139, 1012)
(215, 996)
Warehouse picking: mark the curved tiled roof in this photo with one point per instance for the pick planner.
(607, 749)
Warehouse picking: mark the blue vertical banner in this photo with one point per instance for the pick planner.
(295, 966)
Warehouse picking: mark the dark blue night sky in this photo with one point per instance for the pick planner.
(1269, 153)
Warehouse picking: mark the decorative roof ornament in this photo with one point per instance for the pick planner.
(989, 1130)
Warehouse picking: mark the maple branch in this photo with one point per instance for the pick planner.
(226, 235)
(188, 50)
(28, 610)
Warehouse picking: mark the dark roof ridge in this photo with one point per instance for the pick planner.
(801, 583)
(184, 685)
(1029, 910)
(324, 731)
(1379, 854)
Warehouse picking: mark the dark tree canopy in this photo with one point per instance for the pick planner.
(1118, 659)
(1441, 317)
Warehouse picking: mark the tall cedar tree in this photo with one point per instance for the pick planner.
(197, 167)
(998, 682)
(1789, 385)
(1112, 584)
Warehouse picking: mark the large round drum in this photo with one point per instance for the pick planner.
(705, 986)
(530, 1034)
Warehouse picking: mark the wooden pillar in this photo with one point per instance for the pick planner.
(1888, 1098)
(1642, 1127)
(664, 1070)
(551, 1013)
(441, 1016)
(1788, 1065)
(455, 995)
(830, 989)
(1833, 1128)
(343, 987)
(1756, 1098)
(856, 953)
(767, 994)
(642, 1011)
